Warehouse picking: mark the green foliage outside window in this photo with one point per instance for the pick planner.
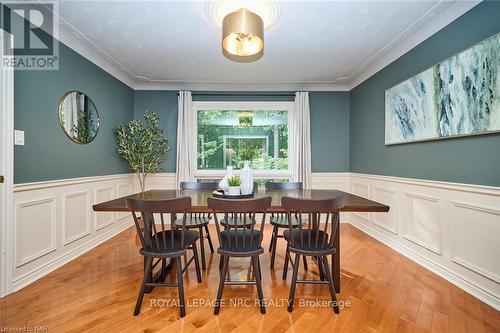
(243, 143)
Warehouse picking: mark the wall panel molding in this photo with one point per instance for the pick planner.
(451, 229)
(35, 219)
(70, 214)
(123, 190)
(474, 239)
(63, 211)
(387, 196)
(455, 211)
(363, 190)
(46, 267)
(101, 194)
(422, 221)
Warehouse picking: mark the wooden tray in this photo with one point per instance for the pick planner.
(220, 194)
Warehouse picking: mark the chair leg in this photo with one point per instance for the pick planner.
(285, 266)
(202, 249)
(258, 282)
(274, 241)
(258, 265)
(330, 284)
(145, 279)
(180, 286)
(273, 235)
(163, 269)
(294, 282)
(225, 261)
(196, 262)
(209, 239)
(305, 262)
(320, 268)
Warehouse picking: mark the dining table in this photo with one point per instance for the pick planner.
(352, 203)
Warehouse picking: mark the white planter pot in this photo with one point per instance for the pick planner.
(246, 179)
(223, 184)
(233, 190)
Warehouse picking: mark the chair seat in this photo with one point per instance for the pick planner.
(281, 221)
(240, 241)
(166, 246)
(317, 243)
(193, 221)
(239, 221)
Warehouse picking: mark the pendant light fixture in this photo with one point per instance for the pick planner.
(243, 36)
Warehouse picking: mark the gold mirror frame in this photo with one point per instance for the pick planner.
(60, 117)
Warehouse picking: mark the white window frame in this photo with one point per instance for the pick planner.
(246, 106)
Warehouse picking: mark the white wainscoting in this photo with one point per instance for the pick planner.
(451, 229)
(54, 222)
(159, 181)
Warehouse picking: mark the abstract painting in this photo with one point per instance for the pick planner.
(456, 97)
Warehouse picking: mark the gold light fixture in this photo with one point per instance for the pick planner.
(243, 36)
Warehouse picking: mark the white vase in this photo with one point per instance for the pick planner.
(224, 184)
(246, 179)
(233, 190)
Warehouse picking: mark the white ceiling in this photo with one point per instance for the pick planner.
(322, 45)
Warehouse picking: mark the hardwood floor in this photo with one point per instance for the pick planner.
(382, 290)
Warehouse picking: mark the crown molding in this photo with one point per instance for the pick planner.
(433, 26)
(87, 50)
(217, 86)
(97, 59)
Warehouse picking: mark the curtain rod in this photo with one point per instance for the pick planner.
(241, 94)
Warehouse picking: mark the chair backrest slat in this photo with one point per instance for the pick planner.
(271, 186)
(203, 186)
(239, 232)
(313, 210)
(154, 237)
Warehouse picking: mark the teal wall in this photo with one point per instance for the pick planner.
(164, 104)
(329, 131)
(48, 154)
(347, 128)
(329, 121)
(474, 160)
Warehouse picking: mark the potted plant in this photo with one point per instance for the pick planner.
(234, 185)
(143, 145)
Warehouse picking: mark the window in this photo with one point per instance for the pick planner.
(230, 133)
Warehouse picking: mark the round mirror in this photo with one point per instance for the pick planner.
(78, 117)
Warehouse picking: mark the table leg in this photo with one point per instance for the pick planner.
(336, 261)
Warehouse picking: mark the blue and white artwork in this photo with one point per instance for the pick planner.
(459, 96)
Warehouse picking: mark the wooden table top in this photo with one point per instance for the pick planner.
(352, 203)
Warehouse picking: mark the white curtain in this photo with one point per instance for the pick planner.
(186, 139)
(300, 143)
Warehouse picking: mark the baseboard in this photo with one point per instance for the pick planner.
(52, 265)
(475, 290)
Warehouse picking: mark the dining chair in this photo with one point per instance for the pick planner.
(198, 220)
(161, 242)
(240, 240)
(248, 222)
(312, 237)
(279, 220)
